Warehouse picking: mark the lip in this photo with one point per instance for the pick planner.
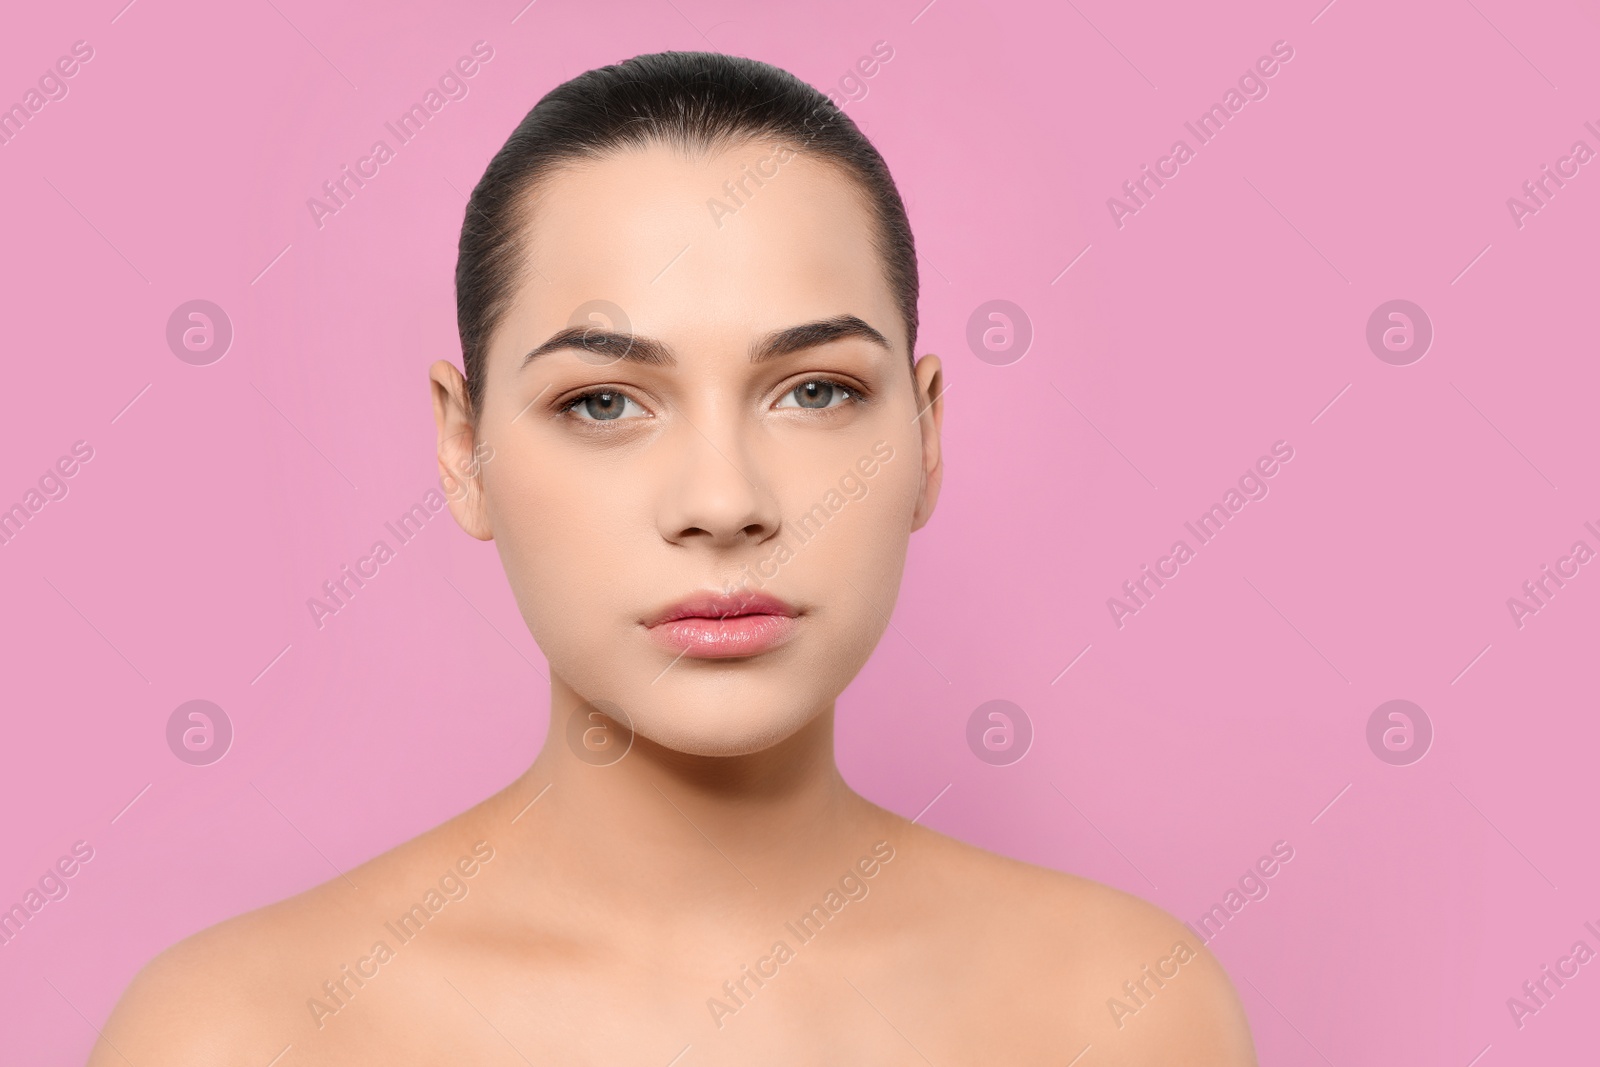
(723, 626)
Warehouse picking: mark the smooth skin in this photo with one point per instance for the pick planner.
(618, 898)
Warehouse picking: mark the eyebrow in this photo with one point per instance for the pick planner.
(636, 348)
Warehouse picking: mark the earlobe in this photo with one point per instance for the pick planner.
(930, 402)
(461, 456)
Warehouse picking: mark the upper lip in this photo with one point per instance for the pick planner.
(721, 606)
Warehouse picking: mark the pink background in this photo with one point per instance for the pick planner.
(1223, 317)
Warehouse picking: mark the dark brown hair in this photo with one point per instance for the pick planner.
(690, 100)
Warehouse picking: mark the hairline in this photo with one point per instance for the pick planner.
(527, 197)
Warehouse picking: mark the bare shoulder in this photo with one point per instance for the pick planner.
(207, 999)
(246, 989)
(1106, 968)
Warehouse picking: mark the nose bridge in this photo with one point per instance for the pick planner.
(714, 487)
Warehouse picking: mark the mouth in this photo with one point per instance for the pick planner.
(723, 626)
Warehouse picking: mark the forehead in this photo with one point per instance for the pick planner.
(726, 243)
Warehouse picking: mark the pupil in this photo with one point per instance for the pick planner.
(604, 406)
(814, 394)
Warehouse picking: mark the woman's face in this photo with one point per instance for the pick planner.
(693, 442)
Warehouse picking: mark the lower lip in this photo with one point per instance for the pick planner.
(739, 635)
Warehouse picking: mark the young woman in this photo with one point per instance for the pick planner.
(687, 298)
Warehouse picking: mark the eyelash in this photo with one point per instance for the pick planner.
(855, 394)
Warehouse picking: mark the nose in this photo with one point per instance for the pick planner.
(713, 488)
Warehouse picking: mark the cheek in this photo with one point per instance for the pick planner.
(560, 534)
(882, 538)
(853, 569)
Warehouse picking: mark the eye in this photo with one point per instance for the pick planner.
(602, 405)
(817, 394)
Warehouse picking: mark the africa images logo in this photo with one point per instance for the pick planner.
(1252, 85)
(1252, 485)
(338, 191)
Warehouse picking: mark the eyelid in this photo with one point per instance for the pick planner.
(565, 407)
(857, 394)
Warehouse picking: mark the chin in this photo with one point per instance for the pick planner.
(733, 728)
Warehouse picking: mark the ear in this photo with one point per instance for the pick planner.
(461, 455)
(930, 401)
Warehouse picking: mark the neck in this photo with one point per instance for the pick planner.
(638, 825)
